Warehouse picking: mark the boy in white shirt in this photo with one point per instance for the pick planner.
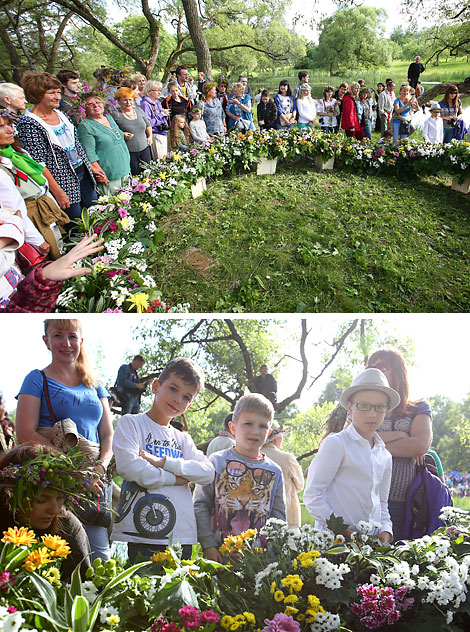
(433, 129)
(156, 504)
(350, 476)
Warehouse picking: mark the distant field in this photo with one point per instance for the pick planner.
(454, 70)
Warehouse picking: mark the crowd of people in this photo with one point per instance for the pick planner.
(59, 155)
(173, 491)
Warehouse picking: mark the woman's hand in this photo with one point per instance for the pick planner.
(149, 140)
(128, 136)
(96, 484)
(61, 269)
(61, 198)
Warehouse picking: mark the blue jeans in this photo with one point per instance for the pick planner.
(397, 512)
(448, 134)
(396, 132)
(88, 195)
(146, 551)
(279, 126)
(131, 404)
(367, 130)
(99, 541)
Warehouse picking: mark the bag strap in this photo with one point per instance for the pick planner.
(48, 399)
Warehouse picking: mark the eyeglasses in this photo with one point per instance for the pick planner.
(379, 408)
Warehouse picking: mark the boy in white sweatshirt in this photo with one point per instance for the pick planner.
(433, 129)
(156, 504)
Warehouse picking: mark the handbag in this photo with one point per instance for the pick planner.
(97, 510)
(28, 256)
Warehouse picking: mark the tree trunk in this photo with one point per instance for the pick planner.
(15, 60)
(203, 54)
(429, 95)
(57, 39)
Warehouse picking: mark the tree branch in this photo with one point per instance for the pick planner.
(338, 344)
(280, 406)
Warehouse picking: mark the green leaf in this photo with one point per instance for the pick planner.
(80, 614)
(337, 525)
(49, 596)
(14, 559)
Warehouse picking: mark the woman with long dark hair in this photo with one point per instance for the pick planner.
(285, 104)
(451, 111)
(407, 431)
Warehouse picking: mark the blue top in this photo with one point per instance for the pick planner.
(405, 112)
(79, 403)
(235, 109)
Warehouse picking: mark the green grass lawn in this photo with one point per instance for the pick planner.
(319, 242)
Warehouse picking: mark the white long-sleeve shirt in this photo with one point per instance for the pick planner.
(11, 198)
(433, 130)
(167, 510)
(351, 479)
(306, 109)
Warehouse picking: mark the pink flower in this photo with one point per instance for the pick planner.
(191, 617)
(209, 616)
(140, 188)
(393, 617)
(158, 624)
(112, 311)
(194, 151)
(171, 627)
(281, 623)
(12, 609)
(122, 212)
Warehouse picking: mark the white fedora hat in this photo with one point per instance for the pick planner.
(370, 380)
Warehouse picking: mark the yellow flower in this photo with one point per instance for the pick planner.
(273, 588)
(313, 601)
(113, 619)
(125, 223)
(140, 301)
(162, 175)
(300, 616)
(165, 558)
(19, 535)
(235, 625)
(226, 621)
(296, 564)
(36, 559)
(291, 599)
(293, 582)
(239, 618)
(250, 618)
(57, 546)
(53, 576)
(290, 611)
(279, 595)
(249, 533)
(212, 150)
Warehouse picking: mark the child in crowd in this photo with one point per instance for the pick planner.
(197, 127)
(266, 111)
(157, 462)
(180, 136)
(433, 129)
(306, 109)
(350, 476)
(248, 487)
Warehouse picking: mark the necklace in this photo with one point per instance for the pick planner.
(131, 116)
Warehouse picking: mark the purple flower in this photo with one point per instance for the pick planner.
(281, 623)
(194, 152)
(112, 311)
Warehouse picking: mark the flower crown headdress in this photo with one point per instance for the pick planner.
(64, 473)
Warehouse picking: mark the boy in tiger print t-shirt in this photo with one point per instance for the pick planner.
(248, 487)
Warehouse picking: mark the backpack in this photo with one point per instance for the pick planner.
(460, 130)
(426, 497)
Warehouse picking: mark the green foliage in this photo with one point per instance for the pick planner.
(134, 31)
(351, 39)
(451, 430)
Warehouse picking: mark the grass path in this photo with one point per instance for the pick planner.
(302, 241)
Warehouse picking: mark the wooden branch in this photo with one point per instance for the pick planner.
(338, 344)
(246, 356)
(280, 406)
(220, 393)
(57, 39)
(429, 95)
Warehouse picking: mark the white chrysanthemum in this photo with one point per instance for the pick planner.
(89, 591)
(107, 611)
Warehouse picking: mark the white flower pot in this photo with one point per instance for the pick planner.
(198, 189)
(463, 188)
(322, 163)
(266, 167)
